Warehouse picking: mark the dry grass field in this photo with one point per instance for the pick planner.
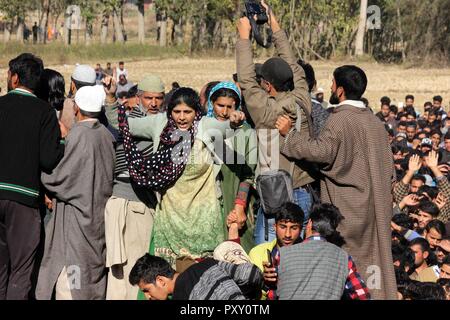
(392, 80)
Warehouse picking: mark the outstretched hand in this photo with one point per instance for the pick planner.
(244, 28)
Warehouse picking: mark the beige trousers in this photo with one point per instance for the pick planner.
(62, 289)
(136, 233)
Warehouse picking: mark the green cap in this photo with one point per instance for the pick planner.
(151, 83)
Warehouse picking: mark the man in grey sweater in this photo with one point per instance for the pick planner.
(317, 268)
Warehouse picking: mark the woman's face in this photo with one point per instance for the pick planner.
(223, 107)
(184, 116)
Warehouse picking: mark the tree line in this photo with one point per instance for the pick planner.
(387, 30)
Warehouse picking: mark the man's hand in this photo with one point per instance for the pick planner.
(410, 200)
(48, 203)
(284, 125)
(244, 28)
(241, 217)
(432, 160)
(415, 163)
(272, 19)
(395, 227)
(270, 276)
(237, 118)
(440, 200)
(63, 129)
(444, 244)
(110, 86)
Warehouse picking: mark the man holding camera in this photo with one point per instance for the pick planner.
(283, 91)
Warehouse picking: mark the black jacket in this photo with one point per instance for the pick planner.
(30, 142)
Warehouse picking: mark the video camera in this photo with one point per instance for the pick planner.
(253, 8)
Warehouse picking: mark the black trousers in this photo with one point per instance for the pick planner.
(20, 230)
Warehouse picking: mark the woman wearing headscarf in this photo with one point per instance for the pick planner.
(239, 162)
(188, 218)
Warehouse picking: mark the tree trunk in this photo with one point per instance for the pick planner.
(163, 30)
(47, 14)
(7, 32)
(88, 34)
(20, 28)
(359, 44)
(122, 25)
(141, 21)
(117, 27)
(104, 28)
(400, 31)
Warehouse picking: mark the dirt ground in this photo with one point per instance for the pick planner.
(393, 81)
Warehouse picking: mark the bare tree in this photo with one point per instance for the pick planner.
(359, 44)
(141, 17)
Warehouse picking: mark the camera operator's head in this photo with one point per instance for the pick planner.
(349, 83)
(277, 76)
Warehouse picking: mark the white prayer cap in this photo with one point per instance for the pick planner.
(320, 90)
(90, 98)
(85, 74)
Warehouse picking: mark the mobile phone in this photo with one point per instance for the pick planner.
(269, 258)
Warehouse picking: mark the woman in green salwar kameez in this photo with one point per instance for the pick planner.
(237, 172)
(188, 220)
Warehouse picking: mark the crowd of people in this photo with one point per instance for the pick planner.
(254, 188)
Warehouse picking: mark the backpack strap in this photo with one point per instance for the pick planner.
(298, 126)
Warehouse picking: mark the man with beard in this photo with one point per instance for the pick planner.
(411, 131)
(357, 168)
(129, 211)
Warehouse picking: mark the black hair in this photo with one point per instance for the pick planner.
(403, 220)
(447, 135)
(147, 268)
(409, 96)
(424, 291)
(403, 123)
(365, 101)
(437, 225)
(228, 93)
(175, 85)
(429, 207)
(405, 257)
(444, 284)
(433, 132)
(385, 100)
(393, 108)
(94, 115)
(419, 177)
(423, 243)
(188, 96)
(121, 62)
(290, 212)
(325, 219)
(29, 69)
(52, 88)
(235, 77)
(446, 260)
(437, 98)
(411, 124)
(209, 87)
(352, 79)
(309, 73)
(427, 104)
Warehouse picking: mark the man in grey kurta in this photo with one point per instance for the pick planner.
(357, 167)
(74, 254)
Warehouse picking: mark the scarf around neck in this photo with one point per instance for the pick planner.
(160, 170)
